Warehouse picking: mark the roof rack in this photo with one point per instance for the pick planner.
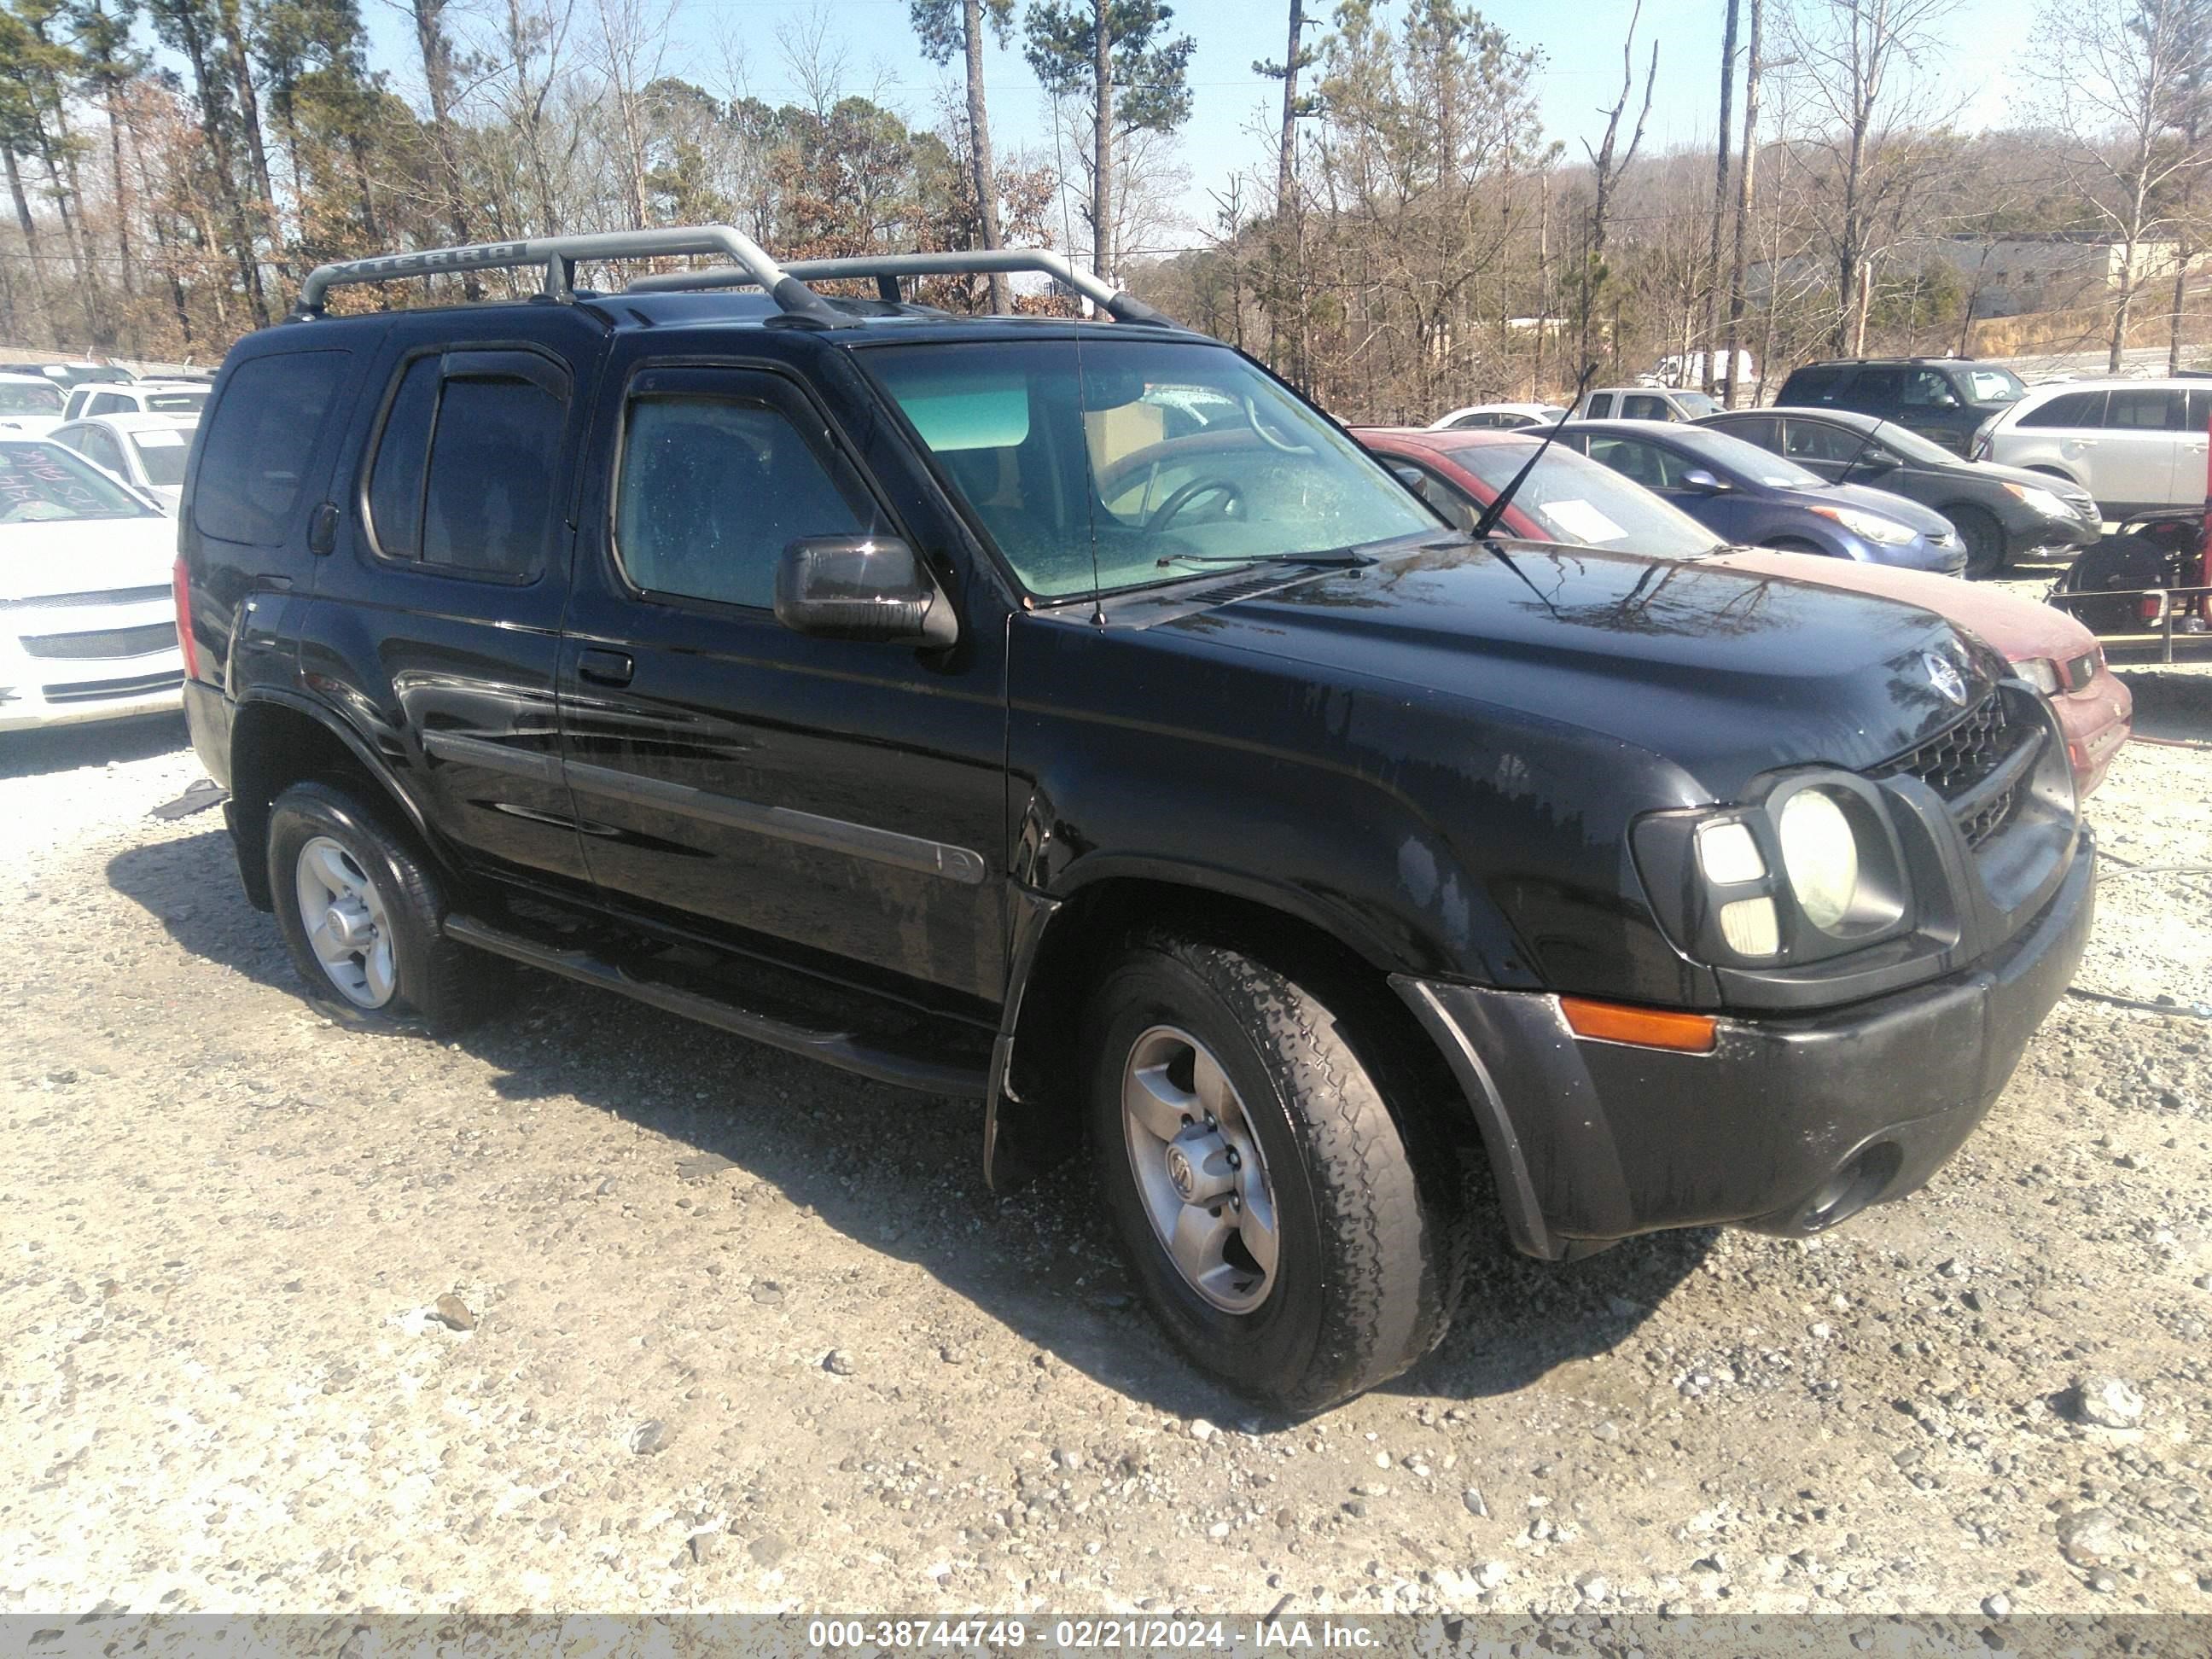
(888, 268)
(751, 265)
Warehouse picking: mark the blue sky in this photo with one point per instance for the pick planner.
(1579, 40)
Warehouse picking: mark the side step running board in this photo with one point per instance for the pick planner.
(839, 1048)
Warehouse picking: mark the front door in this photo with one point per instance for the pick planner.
(832, 801)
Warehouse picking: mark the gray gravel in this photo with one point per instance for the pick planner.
(596, 1310)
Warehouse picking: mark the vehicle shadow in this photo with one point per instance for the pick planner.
(67, 748)
(901, 1172)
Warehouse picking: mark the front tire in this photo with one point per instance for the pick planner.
(1984, 539)
(362, 913)
(1263, 1193)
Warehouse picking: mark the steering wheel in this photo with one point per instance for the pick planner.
(1232, 498)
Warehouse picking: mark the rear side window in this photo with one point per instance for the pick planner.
(1877, 389)
(467, 469)
(1600, 405)
(2200, 410)
(712, 489)
(2076, 409)
(1813, 385)
(2144, 411)
(255, 455)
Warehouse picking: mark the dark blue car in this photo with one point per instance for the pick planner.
(1749, 496)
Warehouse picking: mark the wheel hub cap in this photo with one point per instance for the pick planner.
(1199, 1169)
(345, 916)
(348, 923)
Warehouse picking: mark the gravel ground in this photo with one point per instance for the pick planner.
(599, 1310)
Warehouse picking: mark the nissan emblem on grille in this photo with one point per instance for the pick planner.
(1944, 678)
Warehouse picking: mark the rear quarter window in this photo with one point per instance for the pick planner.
(1812, 385)
(257, 450)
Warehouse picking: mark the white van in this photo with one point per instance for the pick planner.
(1688, 369)
(2133, 444)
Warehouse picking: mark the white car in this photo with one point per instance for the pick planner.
(147, 452)
(30, 406)
(137, 398)
(88, 614)
(1645, 403)
(1498, 417)
(2133, 444)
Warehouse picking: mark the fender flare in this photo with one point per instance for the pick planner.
(359, 746)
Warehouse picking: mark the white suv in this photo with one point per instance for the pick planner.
(1645, 403)
(2133, 444)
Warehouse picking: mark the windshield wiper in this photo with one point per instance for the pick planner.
(1338, 558)
(1495, 510)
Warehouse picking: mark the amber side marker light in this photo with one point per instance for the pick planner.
(1646, 1028)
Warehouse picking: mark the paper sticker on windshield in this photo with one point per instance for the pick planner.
(159, 439)
(1582, 521)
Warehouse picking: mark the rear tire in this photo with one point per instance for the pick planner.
(362, 912)
(1987, 551)
(1344, 1279)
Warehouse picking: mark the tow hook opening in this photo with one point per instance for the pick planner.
(1852, 1189)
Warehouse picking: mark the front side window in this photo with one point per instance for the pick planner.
(1926, 389)
(1645, 463)
(2075, 409)
(101, 447)
(1816, 441)
(1107, 464)
(712, 489)
(42, 481)
(1995, 386)
(1645, 408)
(1600, 405)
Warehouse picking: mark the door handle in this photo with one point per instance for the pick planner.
(323, 528)
(605, 667)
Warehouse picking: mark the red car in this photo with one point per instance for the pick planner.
(1571, 499)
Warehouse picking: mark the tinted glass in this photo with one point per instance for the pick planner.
(2077, 409)
(1645, 463)
(1600, 405)
(713, 490)
(1111, 463)
(2144, 411)
(163, 455)
(1812, 385)
(110, 403)
(1924, 388)
(175, 403)
(493, 492)
(402, 450)
(1877, 388)
(2200, 410)
(1637, 407)
(264, 437)
(1582, 503)
(41, 482)
(1760, 429)
(1816, 441)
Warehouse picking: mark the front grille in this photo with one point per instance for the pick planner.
(109, 596)
(1954, 760)
(105, 642)
(100, 690)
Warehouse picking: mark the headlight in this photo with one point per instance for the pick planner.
(1872, 525)
(1822, 857)
(2042, 501)
(2042, 673)
(1810, 869)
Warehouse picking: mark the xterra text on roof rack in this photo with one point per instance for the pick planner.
(1070, 715)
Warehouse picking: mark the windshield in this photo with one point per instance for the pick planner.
(1995, 386)
(1911, 446)
(1698, 404)
(1576, 499)
(175, 403)
(163, 455)
(42, 481)
(23, 397)
(1120, 463)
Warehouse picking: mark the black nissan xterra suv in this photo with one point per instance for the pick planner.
(1068, 715)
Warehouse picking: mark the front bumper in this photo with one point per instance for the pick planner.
(67, 694)
(1790, 1126)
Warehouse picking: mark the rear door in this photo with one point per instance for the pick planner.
(2138, 456)
(831, 802)
(437, 616)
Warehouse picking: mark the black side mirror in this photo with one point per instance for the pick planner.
(861, 588)
(1876, 460)
(1704, 483)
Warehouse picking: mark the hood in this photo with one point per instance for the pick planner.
(1726, 672)
(2064, 489)
(2017, 628)
(28, 426)
(85, 556)
(1925, 519)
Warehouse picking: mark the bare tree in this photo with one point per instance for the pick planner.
(1720, 197)
(942, 34)
(1745, 175)
(1608, 161)
(2120, 75)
